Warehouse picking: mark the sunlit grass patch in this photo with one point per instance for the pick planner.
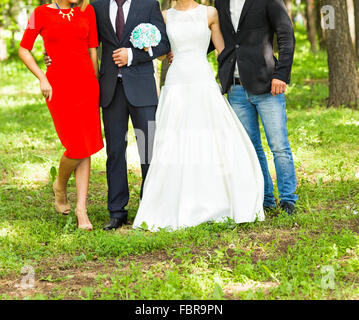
(281, 258)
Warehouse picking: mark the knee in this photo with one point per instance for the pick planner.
(279, 143)
(116, 154)
(281, 150)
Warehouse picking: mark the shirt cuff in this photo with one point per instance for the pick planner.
(130, 57)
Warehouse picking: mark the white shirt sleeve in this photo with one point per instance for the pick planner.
(130, 57)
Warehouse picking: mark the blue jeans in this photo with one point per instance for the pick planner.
(272, 111)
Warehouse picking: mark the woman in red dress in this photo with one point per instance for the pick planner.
(71, 90)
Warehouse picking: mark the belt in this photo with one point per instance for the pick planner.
(237, 82)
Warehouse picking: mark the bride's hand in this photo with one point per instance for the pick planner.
(170, 57)
(46, 88)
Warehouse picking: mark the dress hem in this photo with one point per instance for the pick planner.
(82, 156)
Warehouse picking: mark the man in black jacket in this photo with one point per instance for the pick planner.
(256, 81)
(128, 88)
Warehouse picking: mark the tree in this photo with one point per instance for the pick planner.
(351, 19)
(320, 32)
(343, 74)
(288, 4)
(8, 14)
(311, 25)
(356, 15)
(3, 7)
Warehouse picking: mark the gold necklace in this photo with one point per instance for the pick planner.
(68, 15)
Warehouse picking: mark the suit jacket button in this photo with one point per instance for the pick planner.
(237, 46)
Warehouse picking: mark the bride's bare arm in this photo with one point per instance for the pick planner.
(213, 22)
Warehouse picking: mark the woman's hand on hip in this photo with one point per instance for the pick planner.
(47, 59)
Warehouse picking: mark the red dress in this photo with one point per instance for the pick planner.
(74, 106)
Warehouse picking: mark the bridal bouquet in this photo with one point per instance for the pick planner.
(146, 35)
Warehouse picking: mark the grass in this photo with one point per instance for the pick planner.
(314, 255)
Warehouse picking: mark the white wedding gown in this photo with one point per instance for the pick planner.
(204, 166)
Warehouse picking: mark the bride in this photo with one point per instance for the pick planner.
(204, 166)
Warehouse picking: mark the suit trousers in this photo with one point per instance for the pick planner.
(116, 119)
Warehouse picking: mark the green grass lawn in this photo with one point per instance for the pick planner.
(311, 256)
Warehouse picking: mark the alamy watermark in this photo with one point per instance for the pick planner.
(328, 279)
(328, 17)
(190, 147)
(28, 279)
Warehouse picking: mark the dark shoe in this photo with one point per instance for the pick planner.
(271, 211)
(116, 223)
(287, 207)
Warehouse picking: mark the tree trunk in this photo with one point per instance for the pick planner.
(343, 74)
(320, 31)
(165, 65)
(288, 4)
(3, 49)
(351, 20)
(12, 39)
(356, 15)
(311, 25)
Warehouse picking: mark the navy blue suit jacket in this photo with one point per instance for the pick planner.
(138, 79)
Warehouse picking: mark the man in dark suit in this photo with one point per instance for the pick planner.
(256, 81)
(128, 88)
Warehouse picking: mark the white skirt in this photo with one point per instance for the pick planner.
(204, 166)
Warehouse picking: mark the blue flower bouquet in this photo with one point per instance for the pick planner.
(146, 35)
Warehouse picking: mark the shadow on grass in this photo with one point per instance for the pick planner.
(31, 230)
